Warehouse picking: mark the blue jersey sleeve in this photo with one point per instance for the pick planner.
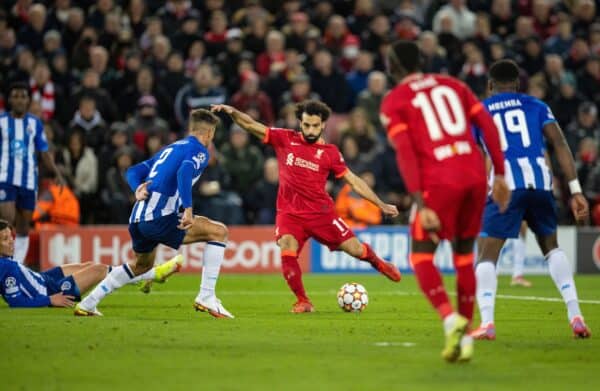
(19, 300)
(41, 142)
(185, 175)
(545, 114)
(135, 175)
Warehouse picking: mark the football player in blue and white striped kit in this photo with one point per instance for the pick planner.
(163, 215)
(525, 125)
(21, 136)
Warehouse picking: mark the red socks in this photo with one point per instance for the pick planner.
(369, 255)
(430, 282)
(292, 273)
(465, 284)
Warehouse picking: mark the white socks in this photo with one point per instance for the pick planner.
(212, 260)
(562, 275)
(518, 257)
(21, 247)
(487, 285)
(119, 276)
(149, 275)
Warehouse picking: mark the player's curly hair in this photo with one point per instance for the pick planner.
(407, 55)
(313, 107)
(504, 71)
(203, 115)
(18, 85)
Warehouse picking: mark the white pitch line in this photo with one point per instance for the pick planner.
(332, 292)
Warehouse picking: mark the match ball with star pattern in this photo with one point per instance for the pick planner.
(352, 297)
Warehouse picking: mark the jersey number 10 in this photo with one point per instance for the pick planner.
(445, 113)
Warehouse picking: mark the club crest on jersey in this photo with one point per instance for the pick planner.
(30, 130)
(65, 286)
(11, 285)
(290, 159)
(319, 153)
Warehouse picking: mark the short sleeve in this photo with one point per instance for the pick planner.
(41, 142)
(276, 137)
(471, 104)
(545, 113)
(338, 165)
(391, 116)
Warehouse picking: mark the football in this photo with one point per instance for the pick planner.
(352, 297)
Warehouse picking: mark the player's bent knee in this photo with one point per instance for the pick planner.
(221, 232)
(288, 243)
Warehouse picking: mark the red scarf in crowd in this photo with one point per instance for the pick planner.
(45, 97)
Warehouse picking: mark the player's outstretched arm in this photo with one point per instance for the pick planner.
(360, 186)
(579, 204)
(242, 119)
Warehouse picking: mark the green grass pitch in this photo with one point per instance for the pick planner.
(157, 342)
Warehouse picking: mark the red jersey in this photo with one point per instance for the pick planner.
(429, 119)
(303, 172)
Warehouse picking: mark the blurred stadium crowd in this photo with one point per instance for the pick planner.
(114, 80)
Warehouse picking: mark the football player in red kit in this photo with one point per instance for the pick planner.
(429, 119)
(304, 209)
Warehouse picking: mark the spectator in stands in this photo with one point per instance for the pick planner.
(43, 90)
(80, 167)
(174, 12)
(532, 60)
(161, 47)
(585, 125)
(256, 37)
(379, 32)
(195, 57)
(272, 60)
(262, 199)
(201, 92)
(588, 79)
(349, 149)
(24, 68)
(461, 19)
(474, 71)
(146, 121)
(80, 58)
(186, 35)
(297, 31)
(242, 160)
(502, 19)
(584, 14)
(100, 12)
(89, 122)
(329, 83)
(586, 158)
(33, 32)
(52, 43)
(562, 41)
(116, 195)
(299, 91)
(523, 31)
(229, 59)
(145, 85)
(370, 99)
(136, 13)
(57, 206)
(336, 34)
(356, 211)
(216, 37)
(322, 13)
(154, 143)
(578, 55)
(154, 28)
(213, 197)
(434, 57)
(592, 193)
(389, 183)
(73, 29)
(90, 86)
(357, 78)
(8, 50)
(565, 107)
(250, 99)
(174, 78)
(118, 137)
(450, 42)
(553, 74)
(364, 132)
(59, 14)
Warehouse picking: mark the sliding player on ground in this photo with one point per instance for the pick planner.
(163, 215)
(525, 124)
(304, 209)
(429, 119)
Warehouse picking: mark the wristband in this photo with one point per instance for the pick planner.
(575, 186)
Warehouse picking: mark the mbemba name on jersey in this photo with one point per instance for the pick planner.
(520, 120)
(173, 171)
(20, 138)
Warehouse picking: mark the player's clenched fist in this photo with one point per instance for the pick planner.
(579, 207)
(389, 210)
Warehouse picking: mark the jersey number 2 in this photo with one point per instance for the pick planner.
(161, 159)
(445, 113)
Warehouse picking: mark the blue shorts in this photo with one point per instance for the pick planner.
(536, 207)
(57, 282)
(146, 235)
(24, 198)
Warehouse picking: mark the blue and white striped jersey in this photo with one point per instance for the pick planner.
(165, 170)
(21, 286)
(520, 119)
(20, 138)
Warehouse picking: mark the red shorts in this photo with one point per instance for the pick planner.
(328, 229)
(460, 211)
